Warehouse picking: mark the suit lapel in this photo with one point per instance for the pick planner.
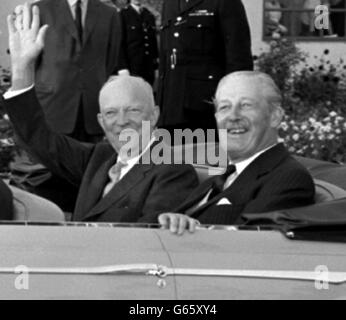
(66, 19)
(94, 189)
(91, 19)
(130, 180)
(134, 13)
(239, 190)
(171, 11)
(196, 196)
(190, 5)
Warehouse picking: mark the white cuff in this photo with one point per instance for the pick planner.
(13, 93)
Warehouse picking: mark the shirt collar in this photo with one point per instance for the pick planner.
(131, 162)
(241, 166)
(72, 3)
(137, 8)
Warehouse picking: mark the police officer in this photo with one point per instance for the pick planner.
(201, 41)
(140, 42)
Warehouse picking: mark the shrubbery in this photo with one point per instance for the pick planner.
(314, 98)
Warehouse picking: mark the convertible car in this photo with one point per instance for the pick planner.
(291, 254)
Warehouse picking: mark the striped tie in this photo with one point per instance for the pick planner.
(114, 176)
(220, 180)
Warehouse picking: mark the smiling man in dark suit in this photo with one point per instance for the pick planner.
(261, 175)
(115, 186)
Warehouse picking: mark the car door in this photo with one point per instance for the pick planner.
(81, 262)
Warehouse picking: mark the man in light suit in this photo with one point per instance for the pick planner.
(113, 185)
(82, 49)
(261, 175)
(200, 42)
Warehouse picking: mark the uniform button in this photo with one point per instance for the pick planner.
(199, 26)
(211, 77)
(176, 34)
(179, 19)
(146, 38)
(146, 52)
(146, 44)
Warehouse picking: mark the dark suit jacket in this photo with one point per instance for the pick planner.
(273, 181)
(141, 48)
(144, 192)
(6, 201)
(199, 45)
(69, 71)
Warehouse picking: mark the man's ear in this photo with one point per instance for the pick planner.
(276, 116)
(100, 121)
(155, 116)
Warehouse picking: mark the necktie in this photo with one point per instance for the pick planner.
(114, 176)
(220, 180)
(78, 20)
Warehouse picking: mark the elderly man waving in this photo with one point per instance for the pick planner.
(261, 175)
(113, 186)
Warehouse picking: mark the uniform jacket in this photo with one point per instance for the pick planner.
(144, 192)
(140, 42)
(273, 181)
(68, 70)
(199, 45)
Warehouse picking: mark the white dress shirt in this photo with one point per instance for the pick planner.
(84, 7)
(128, 165)
(133, 161)
(240, 167)
(13, 93)
(137, 8)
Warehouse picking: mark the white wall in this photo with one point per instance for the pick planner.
(254, 9)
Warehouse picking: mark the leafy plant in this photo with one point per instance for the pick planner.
(280, 62)
(323, 139)
(314, 98)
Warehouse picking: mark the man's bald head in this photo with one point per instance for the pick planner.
(133, 87)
